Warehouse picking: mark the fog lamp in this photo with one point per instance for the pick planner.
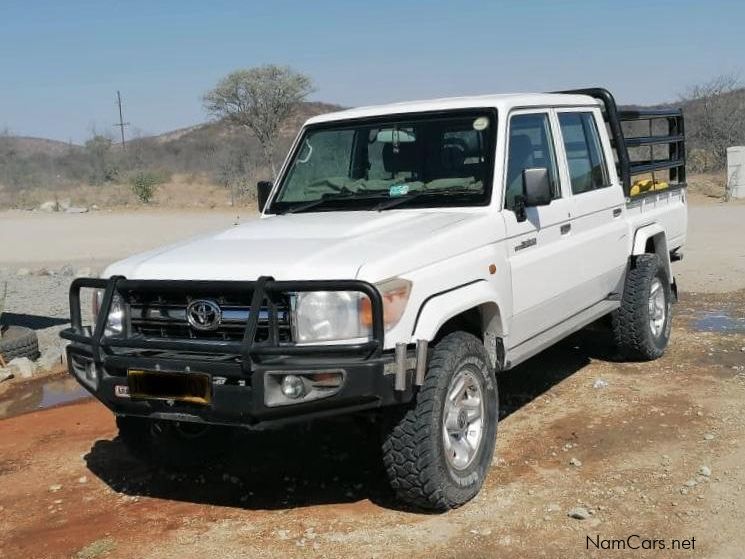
(293, 386)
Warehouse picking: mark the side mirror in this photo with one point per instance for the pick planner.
(536, 191)
(536, 187)
(263, 189)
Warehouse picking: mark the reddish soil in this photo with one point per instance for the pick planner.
(318, 491)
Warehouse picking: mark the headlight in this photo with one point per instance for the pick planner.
(115, 321)
(322, 316)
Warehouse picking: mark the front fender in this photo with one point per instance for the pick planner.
(437, 309)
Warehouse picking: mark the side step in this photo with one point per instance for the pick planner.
(547, 338)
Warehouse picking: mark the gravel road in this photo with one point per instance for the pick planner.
(653, 449)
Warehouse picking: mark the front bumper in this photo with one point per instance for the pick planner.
(238, 370)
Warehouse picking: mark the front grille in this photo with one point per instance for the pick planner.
(164, 315)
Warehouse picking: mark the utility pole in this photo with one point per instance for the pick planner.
(121, 123)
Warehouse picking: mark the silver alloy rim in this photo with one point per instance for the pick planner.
(462, 419)
(657, 308)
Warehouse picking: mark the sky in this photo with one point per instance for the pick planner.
(61, 63)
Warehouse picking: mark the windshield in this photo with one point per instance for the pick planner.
(413, 161)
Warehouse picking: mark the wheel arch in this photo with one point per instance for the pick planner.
(473, 308)
(652, 239)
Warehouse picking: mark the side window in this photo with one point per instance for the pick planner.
(530, 145)
(585, 158)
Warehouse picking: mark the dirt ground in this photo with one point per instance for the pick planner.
(645, 443)
(649, 449)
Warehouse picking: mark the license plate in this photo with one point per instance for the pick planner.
(194, 388)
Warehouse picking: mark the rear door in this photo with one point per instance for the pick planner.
(598, 225)
(542, 261)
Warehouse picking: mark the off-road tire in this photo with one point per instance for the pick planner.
(632, 333)
(173, 445)
(18, 341)
(413, 446)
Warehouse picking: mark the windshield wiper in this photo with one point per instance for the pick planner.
(329, 197)
(393, 202)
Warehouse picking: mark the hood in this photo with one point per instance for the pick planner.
(325, 245)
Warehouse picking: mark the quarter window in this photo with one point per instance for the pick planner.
(585, 159)
(531, 145)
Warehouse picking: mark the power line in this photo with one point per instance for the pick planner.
(121, 123)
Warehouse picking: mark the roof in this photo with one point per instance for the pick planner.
(499, 101)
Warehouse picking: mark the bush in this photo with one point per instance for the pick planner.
(145, 183)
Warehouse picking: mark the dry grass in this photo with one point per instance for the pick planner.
(197, 191)
(181, 191)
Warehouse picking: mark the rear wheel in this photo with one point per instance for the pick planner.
(438, 453)
(641, 326)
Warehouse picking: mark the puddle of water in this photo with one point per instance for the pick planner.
(719, 322)
(41, 394)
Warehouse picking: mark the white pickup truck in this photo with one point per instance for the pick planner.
(404, 256)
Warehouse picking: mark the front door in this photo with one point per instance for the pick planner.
(541, 254)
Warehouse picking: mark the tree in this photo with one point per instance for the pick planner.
(715, 115)
(260, 99)
(98, 149)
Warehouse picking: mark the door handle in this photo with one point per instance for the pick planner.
(566, 228)
(616, 212)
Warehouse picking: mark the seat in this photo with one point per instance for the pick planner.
(401, 163)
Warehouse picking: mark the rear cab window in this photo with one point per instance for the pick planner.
(588, 169)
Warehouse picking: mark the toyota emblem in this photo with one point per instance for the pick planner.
(203, 314)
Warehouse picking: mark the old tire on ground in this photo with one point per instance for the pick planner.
(172, 444)
(439, 451)
(641, 326)
(18, 341)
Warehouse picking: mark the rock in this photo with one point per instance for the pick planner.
(54, 488)
(575, 462)
(22, 272)
(66, 270)
(94, 208)
(691, 483)
(709, 437)
(704, 471)
(50, 358)
(49, 206)
(76, 210)
(83, 479)
(44, 272)
(579, 513)
(64, 203)
(5, 374)
(600, 383)
(22, 367)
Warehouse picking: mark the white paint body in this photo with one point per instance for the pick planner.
(536, 295)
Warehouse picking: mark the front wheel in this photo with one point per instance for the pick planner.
(438, 454)
(641, 326)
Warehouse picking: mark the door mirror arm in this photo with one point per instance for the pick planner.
(519, 209)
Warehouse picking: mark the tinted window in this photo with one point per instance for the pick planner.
(531, 145)
(585, 158)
